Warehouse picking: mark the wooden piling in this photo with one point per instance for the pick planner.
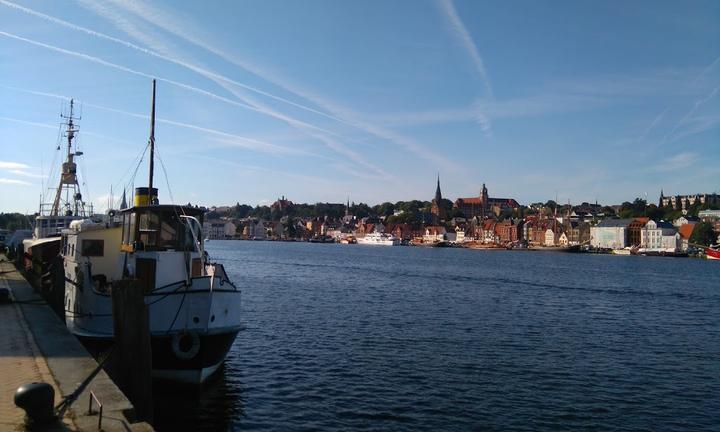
(131, 361)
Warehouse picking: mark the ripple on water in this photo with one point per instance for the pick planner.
(407, 339)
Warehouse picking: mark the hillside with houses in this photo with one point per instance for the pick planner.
(673, 225)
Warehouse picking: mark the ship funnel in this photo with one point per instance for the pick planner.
(145, 196)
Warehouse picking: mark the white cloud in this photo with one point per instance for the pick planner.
(13, 165)
(677, 162)
(14, 182)
(26, 174)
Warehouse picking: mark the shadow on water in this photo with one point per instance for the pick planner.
(215, 405)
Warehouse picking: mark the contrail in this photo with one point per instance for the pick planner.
(682, 121)
(161, 19)
(30, 123)
(467, 41)
(146, 75)
(273, 148)
(329, 142)
(192, 67)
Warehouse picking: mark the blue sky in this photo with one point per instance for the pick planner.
(320, 100)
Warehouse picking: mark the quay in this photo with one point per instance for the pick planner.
(35, 346)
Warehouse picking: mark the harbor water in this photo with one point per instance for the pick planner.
(351, 337)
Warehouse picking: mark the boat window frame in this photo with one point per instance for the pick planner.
(87, 245)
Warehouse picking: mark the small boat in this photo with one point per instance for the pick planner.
(712, 252)
(379, 239)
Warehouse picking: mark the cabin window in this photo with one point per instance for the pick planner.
(92, 248)
(148, 228)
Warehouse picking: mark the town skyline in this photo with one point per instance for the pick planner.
(327, 100)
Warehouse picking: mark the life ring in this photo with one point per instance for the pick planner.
(185, 345)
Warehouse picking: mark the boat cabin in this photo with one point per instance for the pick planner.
(161, 228)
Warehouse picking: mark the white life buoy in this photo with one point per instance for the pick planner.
(185, 345)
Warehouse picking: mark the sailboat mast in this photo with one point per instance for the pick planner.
(152, 142)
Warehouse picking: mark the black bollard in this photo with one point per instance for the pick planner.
(37, 400)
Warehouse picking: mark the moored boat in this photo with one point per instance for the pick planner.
(193, 307)
(379, 239)
(67, 206)
(712, 252)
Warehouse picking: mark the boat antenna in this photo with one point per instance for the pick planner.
(152, 142)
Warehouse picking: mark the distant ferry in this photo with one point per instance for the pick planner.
(380, 239)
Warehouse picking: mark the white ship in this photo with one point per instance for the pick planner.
(194, 309)
(376, 238)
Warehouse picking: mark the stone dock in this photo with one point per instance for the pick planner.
(36, 346)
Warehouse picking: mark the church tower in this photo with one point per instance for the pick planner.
(436, 208)
(660, 202)
(485, 200)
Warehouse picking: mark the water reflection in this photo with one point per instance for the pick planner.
(214, 406)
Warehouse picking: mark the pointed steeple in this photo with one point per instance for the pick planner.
(660, 203)
(438, 194)
(123, 204)
(347, 207)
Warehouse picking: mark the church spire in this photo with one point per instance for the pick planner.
(438, 194)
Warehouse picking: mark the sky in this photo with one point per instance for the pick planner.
(321, 101)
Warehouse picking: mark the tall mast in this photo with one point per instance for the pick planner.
(152, 143)
(68, 176)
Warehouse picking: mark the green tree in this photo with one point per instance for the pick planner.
(703, 234)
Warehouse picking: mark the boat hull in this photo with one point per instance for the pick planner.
(712, 254)
(187, 358)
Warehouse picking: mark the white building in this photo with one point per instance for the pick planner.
(434, 234)
(549, 237)
(610, 234)
(459, 235)
(659, 237)
(255, 230)
(709, 214)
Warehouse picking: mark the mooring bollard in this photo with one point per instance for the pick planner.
(37, 399)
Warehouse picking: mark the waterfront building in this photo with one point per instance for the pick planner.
(219, 229)
(576, 231)
(685, 232)
(549, 237)
(254, 229)
(402, 231)
(434, 234)
(459, 234)
(635, 229)
(484, 205)
(506, 232)
(660, 237)
(610, 234)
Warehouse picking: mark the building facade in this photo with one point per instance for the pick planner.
(484, 205)
(610, 234)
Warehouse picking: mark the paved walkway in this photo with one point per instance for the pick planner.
(20, 358)
(36, 346)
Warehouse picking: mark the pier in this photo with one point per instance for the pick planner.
(35, 346)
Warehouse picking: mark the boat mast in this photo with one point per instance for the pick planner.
(68, 176)
(152, 145)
